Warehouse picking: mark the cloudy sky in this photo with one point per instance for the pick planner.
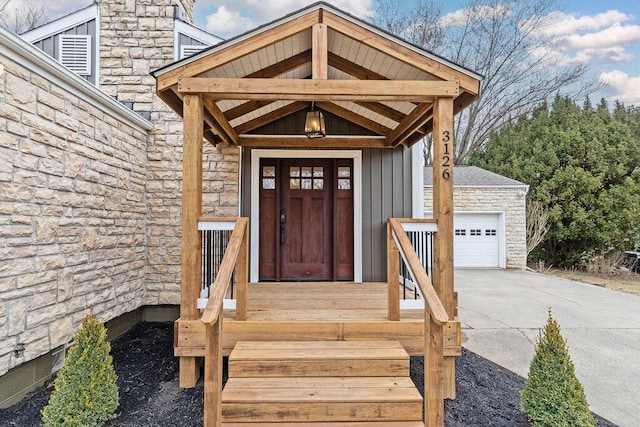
(604, 34)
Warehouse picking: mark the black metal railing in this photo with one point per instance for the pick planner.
(214, 243)
(422, 242)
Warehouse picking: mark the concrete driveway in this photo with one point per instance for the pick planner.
(502, 310)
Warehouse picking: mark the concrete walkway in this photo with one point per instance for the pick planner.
(501, 312)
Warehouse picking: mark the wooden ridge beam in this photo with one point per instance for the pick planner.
(319, 90)
(355, 118)
(270, 117)
(415, 119)
(222, 121)
(288, 141)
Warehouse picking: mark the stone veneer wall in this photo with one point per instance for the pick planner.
(90, 207)
(511, 201)
(72, 213)
(137, 38)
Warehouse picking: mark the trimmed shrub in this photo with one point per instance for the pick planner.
(85, 392)
(552, 395)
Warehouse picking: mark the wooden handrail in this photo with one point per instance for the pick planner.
(223, 279)
(432, 302)
(435, 317)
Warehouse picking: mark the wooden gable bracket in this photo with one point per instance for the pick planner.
(226, 130)
(415, 119)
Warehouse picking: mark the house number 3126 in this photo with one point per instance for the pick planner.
(446, 157)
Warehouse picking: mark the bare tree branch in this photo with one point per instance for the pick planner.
(501, 41)
(537, 225)
(21, 17)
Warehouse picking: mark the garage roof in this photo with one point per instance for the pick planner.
(473, 176)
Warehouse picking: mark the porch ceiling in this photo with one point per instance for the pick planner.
(321, 55)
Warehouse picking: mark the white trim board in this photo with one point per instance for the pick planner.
(32, 58)
(258, 154)
(62, 24)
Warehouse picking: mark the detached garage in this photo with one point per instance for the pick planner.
(489, 218)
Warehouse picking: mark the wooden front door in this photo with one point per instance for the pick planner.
(306, 219)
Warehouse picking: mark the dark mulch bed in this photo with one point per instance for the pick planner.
(487, 394)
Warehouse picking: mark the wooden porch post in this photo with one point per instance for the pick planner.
(443, 212)
(191, 275)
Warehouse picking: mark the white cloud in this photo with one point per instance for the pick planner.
(626, 88)
(616, 35)
(605, 37)
(560, 23)
(224, 21)
(233, 17)
(462, 16)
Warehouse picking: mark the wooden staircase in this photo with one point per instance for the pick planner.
(320, 383)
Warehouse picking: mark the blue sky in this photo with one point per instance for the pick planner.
(603, 34)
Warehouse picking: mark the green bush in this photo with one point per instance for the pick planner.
(552, 395)
(85, 392)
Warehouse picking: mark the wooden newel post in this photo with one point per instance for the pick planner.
(213, 374)
(433, 373)
(191, 273)
(393, 274)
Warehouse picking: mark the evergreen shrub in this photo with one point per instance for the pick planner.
(552, 395)
(85, 393)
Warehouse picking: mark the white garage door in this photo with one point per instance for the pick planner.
(477, 240)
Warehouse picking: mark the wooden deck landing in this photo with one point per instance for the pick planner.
(316, 311)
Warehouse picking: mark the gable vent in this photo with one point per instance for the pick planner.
(75, 53)
(187, 50)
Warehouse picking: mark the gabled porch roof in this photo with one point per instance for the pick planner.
(322, 55)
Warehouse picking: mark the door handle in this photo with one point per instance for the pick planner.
(283, 220)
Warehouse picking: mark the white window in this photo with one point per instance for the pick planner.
(75, 53)
(187, 50)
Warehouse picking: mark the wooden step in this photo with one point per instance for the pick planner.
(323, 399)
(332, 424)
(318, 359)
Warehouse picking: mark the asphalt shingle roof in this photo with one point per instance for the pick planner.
(473, 176)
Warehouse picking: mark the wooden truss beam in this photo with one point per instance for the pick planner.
(282, 67)
(400, 52)
(237, 50)
(319, 62)
(415, 119)
(355, 118)
(225, 127)
(319, 90)
(288, 141)
(270, 117)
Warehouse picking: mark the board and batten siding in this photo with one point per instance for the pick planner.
(386, 193)
(51, 45)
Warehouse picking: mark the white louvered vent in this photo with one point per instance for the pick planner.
(75, 53)
(187, 50)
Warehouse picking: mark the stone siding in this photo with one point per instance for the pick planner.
(90, 207)
(72, 214)
(137, 38)
(511, 201)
